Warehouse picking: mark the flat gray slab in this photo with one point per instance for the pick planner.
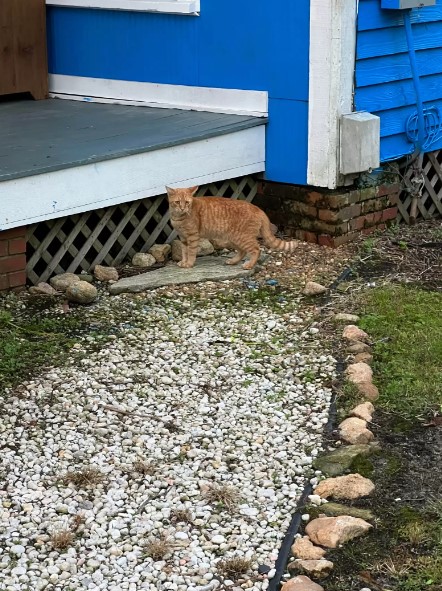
(53, 134)
(205, 269)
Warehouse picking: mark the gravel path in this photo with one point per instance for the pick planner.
(199, 424)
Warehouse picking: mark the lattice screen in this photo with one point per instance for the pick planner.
(111, 235)
(430, 205)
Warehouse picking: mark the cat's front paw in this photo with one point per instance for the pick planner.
(184, 265)
(248, 266)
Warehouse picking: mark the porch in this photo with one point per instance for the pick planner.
(64, 157)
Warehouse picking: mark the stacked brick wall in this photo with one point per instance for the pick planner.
(328, 218)
(13, 259)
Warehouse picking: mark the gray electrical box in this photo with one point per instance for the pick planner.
(360, 139)
(402, 4)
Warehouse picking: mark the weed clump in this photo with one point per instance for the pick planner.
(84, 478)
(62, 539)
(159, 548)
(224, 495)
(233, 568)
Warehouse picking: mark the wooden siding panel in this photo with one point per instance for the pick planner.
(392, 40)
(378, 70)
(384, 84)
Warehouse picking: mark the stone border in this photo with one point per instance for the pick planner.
(334, 523)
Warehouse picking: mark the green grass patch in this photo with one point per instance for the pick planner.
(406, 324)
(28, 345)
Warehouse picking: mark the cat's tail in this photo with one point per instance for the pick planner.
(268, 235)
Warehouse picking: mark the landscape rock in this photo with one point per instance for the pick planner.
(368, 390)
(363, 411)
(143, 260)
(312, 288)
(340, 460)
(320, 569)
(358, 347)
(42, 289)
(206, 269)
(160, 252)
(63, 281)
(105, 273)
(81, 292)
(364, 357)
(343, 317)
(336, 509)
(304, 549)
(331, 532)
(348, 487)
(301, 583)
(354, 431)
(205, 248)
(359, 372)
(354, 333)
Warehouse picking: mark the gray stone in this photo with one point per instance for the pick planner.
(63, 281)
(42, 289)
(340, 460)
(105, 273)
(160, 252)
(358, 347)
(336, 509)
(143, 260)
(81, 292)
(312, 288)
(206, 269)
(349, 318)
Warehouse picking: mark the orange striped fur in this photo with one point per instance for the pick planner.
(234, 224)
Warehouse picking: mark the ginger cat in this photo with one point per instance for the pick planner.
(236, 224)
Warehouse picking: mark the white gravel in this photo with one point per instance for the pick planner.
(212, 394)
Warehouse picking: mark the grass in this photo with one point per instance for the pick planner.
(226, 497)
(158, 548)
(62, 539)
(84, 478)
(144, 468)
(181, 516)
(233, 568)
(406, 324)
(27, 345)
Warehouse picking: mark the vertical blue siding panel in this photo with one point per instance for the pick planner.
(287, 141)
(245, 44)
(384, 85)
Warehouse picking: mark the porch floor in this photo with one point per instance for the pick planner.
(44, 136)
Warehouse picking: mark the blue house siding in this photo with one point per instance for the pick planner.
(246, 45)
(384, 84)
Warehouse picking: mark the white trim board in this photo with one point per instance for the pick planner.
(165, 96)
(191, 7)
(74, 190)
(332, 65)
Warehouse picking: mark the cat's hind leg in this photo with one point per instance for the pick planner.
(253, 252)
(237, 258)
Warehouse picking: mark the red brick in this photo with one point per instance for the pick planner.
(328, 215)
(17, 279)
(4, 282)
(304, 209)
(4, 248)
(326, 240)
(17, 246)
(306, 236)
(10, 264)
(389, 214)
(13, 233)
(389, 189)
(314, 197)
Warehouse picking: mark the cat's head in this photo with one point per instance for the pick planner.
(180, 200)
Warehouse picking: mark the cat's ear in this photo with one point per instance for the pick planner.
(170, 191)
(193, 190)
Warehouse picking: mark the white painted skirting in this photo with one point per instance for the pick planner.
(332, 65)
(74, 190)
(191, 7)
(166, 96)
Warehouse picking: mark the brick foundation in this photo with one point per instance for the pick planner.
(13, 259)
(327, 217)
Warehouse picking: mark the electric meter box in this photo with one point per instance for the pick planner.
(403, 4)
